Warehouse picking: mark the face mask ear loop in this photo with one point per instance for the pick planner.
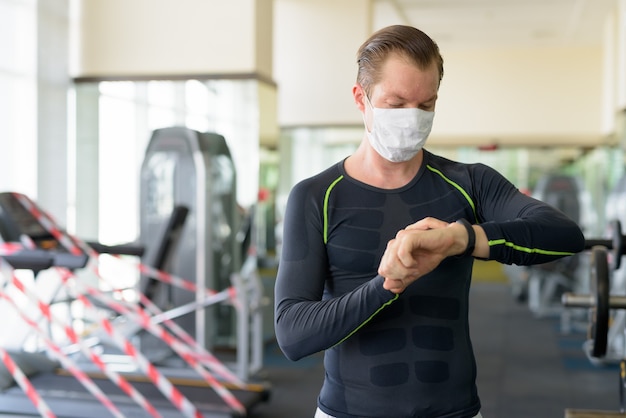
(367, 102)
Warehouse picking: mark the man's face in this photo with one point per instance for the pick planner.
(403, 84)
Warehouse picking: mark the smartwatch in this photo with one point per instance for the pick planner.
(471, 238)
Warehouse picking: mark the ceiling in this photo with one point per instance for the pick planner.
(487, 23)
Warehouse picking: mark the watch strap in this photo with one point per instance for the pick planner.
(471, 238)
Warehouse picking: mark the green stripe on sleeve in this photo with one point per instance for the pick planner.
(526, 249)
(369, 319)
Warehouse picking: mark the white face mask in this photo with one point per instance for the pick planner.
(399, 134)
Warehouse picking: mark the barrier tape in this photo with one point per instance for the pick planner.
(48, 223)
(142, 318)
(26, 386)
(164, 385)
(145, 320)
(10, 248)
(201, 353)
(198, 352)
(195, 359)
(180, 282)
(66, 361)
(115, 377)
(212, 361)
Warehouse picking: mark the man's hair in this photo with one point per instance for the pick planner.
(407, 41)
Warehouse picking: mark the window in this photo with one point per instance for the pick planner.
(18, 101)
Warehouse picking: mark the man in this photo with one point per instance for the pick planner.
(378, 249)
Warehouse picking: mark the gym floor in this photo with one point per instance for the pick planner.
(527, 367)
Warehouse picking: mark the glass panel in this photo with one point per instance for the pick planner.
(119, 89)
(18, 130)
(119, 183)
(161, 93)
(18, 32)
(130, 111)
(18, 100)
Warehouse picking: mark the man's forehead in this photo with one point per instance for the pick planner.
(390, 88)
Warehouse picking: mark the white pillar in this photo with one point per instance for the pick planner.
(52, 87)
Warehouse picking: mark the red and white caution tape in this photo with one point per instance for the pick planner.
(182, 283)
(115, 377)
(155, 315)
(26, 386)
(201, 353)
(10, 248)
(66, 361)
(196, 360)
(161, 382)
(140, 317)
(212, 361)
(48, 223)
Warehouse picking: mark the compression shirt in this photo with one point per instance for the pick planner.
(407, 355)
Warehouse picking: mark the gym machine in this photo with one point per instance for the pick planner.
(31, 240)
(605, 257)
(189, 227)
(185, 167)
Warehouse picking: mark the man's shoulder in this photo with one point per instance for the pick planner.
(446, 165)
(323, 178)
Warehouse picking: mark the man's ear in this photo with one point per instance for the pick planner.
(359, 97)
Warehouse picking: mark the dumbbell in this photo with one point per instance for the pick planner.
(599, 302)
(617, 243)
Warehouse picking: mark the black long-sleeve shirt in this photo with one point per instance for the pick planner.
(406, 355)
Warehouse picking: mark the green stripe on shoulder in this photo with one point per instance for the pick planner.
(459, 188)
(326, 197)
(526, 249)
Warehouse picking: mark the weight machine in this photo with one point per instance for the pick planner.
(605, 343)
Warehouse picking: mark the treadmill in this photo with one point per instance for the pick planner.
(60, 390)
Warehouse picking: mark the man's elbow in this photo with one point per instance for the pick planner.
(289, 349)
(578, 240)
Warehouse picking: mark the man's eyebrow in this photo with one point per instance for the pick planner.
(395, 96)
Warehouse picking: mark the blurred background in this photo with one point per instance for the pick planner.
(535, 89)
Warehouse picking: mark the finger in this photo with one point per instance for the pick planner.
(419, 225)
(407, 259)
(428, 223)
(388, 262)
(405, 248)
(434, 223)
